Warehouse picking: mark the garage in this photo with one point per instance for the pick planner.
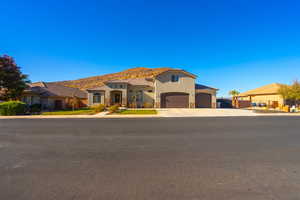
(174, 100)
(203, 100)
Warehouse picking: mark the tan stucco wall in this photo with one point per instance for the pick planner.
(163, 84)
(51, 102)
(91, 94)
(267, 99)
(148, 97)
(30, 99)
(106, 90)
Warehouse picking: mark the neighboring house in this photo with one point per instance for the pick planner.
(170, 88)
(53, 96)
(267, 95)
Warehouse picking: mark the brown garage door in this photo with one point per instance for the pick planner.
(203, 100)
(175, 100)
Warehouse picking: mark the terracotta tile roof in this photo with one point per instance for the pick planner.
(267, 89)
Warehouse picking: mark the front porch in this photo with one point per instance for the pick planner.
(117, 97)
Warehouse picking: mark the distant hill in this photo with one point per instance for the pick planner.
(96, 81)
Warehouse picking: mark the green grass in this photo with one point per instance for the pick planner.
(70, 112)
(137, 112)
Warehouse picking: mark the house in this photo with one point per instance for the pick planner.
(53, 96)
(149, 87)
(267, 95)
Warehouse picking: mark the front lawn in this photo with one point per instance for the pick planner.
(71, 112)
(137, 112)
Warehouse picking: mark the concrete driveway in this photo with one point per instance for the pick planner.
(204, 112)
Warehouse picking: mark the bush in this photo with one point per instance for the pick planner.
(148, 105)
(35, 108)
(98, 108)
(12, 108)
(113, 109)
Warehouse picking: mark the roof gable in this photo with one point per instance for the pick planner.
(179, 71)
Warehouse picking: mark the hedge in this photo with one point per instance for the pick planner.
(12, 108)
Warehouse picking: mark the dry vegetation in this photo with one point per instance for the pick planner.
(96, 81)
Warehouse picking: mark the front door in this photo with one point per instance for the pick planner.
(118, 98)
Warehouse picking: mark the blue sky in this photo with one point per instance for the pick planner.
(229, 44)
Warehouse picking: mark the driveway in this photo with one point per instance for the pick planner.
(203, 112)
(236, 158)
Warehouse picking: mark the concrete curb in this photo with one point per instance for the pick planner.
(161, 114)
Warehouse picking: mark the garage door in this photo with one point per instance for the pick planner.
(175, 100)
(203, 100)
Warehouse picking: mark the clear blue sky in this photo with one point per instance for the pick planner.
(229, 44)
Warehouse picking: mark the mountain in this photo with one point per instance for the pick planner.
(96, 81)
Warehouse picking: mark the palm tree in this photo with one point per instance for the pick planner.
(234, 93)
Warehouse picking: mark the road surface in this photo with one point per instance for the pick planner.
(236, 158)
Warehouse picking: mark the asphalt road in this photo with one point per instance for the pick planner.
(252, 158)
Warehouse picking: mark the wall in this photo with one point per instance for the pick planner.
(30, 99)
(163, 84)
(51, 102)
(106, 90)
(91, 94)
(267, 99)
(147, 96)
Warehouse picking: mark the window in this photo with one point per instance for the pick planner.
(150, 91)
(175, 78)
(97, 98)
(121, 86)
(32, 100)
(24, 99)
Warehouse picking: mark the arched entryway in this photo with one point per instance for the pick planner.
(174, 100)
(115, 97)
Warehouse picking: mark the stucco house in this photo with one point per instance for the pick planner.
(53, 96)
(170, 88)
(266, 95)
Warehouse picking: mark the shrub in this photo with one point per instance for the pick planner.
(35, 108)
(148, 105)
(113, 109)
(132, 105)
(98, 108)
(12, 108)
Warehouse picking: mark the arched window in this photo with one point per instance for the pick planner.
(97, 98)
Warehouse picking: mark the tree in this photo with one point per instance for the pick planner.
(295, 90)
(234, 93)
(12, 81)
(290, 92)
(285, 91)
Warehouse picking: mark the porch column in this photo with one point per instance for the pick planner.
(124, 98)
(157, 100)
(107, 98)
